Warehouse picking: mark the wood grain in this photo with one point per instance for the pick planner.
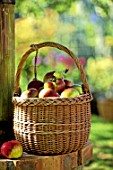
(7, 60)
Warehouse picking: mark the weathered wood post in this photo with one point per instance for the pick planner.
(7, 65)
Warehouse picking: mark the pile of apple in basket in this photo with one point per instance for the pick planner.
(54, 84)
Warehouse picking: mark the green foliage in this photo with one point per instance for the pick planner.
(61, 6)
(37, 6)
(99, 71)
(101, 137)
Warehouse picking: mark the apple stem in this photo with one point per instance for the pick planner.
(66, 70)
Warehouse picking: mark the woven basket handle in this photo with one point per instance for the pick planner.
(35, 47)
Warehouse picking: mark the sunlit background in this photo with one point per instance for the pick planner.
(85, 27)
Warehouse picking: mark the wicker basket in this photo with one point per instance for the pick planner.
(52, 126)
(105, 108)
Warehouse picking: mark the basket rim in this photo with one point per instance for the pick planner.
(84, 98)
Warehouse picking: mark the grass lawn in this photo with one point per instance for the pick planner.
(101, 136)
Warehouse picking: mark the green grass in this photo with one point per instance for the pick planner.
(101, 136)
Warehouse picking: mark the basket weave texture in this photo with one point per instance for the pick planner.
(49, 126)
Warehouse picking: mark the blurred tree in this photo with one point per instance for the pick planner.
(36, 7)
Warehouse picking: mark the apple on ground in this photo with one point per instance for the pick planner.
(12, 149)
(48, 92)
(30, 93)
(69, 92)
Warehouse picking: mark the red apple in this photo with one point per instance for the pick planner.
(68, 83)
(32, 92)
(35, 83)
(69, 92)
(12, 149)
(59, 85)
(47, 92)
(49, 84)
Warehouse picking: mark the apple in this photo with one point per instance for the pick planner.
(48, 92)
(49, 76)
(32, 92)
(78, 87)
(52, 75)
(69, 92)
(49, 84)
(60, 82)
(12, 149)
(60, 74)
(35, 83)
(68, 83)
(59, 85)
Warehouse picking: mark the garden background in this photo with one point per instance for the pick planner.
(85, 27)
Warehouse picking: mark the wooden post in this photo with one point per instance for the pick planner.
(7, 61)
